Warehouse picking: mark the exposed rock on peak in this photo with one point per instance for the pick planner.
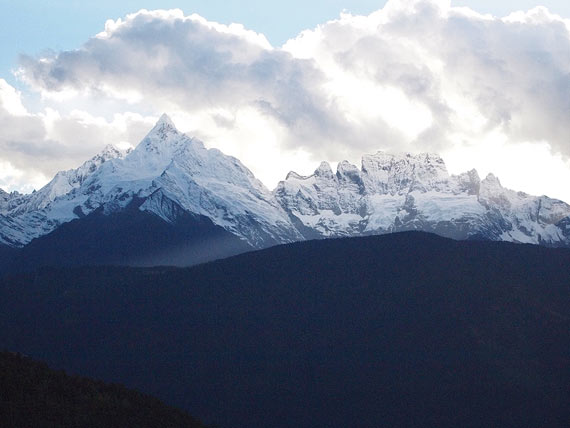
(492, 181)
(402, 173)
(469, 182)
(345, 167)
(348, 173)
(163, 131)
(396, 192)
(324, 170)
(165, 120)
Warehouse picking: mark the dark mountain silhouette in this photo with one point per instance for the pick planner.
(130, 237)
(7, 254)
(34, 396)
(401, 330)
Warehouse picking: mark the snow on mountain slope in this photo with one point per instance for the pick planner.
(25, 217)
(201, 181)
(532, 220)
(65, 181)
(390, 192)
(207, 182)
(385, 173)
(415, 192)
(7, 200)
(324, 202)
(4, 198)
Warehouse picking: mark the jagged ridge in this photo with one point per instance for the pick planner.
(415, 192)
(201, 181)
(388, 193)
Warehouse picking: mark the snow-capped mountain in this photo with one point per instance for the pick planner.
(415, 192)
(172, 176)
(166, 165)
(6, 198)
(25, 217)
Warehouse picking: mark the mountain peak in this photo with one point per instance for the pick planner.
(345, 167)
(163, 130)
(109, 152)
(324, 170)
(164, 126)
(492, 180)
(165, 120)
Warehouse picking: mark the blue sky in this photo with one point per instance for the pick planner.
(483, 91)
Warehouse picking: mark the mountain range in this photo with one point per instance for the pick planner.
(171, 200)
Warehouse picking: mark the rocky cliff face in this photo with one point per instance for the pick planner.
(415, 192)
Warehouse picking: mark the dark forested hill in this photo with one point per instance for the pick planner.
(398, 330)
(7, 254)
(129, 238)
(33, 396)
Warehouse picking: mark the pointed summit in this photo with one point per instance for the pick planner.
(163, 127)
(165, 120)
(324, 170)
(163, 130)
(492, 181)
(110, 152)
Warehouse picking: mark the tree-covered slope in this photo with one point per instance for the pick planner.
(398, 330)
(33, 396)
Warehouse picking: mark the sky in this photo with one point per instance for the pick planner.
(285, 85)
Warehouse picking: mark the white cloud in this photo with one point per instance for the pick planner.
(34, 146)
(417, 75)
(178, 63)
(490, 84)
(10, 99)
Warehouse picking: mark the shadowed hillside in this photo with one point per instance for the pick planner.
(130, 237)
(398, 330)
(33, 396)
(7, 254)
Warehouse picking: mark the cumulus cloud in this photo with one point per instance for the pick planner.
(417, 75)
(179, 62)
(34, 146)
(473, 72)
(185, 63)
